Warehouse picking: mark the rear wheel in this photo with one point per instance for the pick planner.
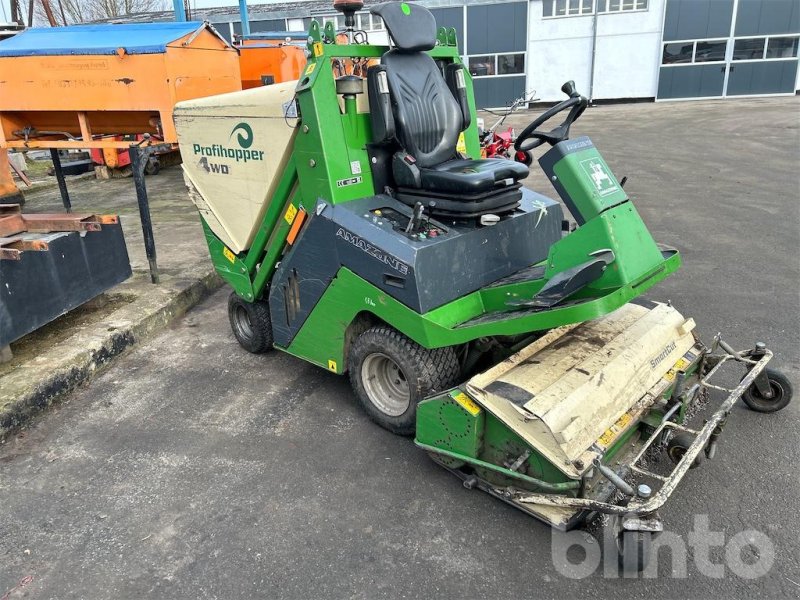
(250, 323)
(390, 374)
(781, 394)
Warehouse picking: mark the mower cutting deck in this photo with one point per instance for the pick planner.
(363, 233)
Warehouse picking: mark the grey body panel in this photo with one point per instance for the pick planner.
(421, 274)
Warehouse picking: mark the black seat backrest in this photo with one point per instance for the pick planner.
(427, 118)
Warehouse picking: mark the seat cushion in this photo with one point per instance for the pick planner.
(471, 176)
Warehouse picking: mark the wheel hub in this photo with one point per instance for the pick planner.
(386, 384)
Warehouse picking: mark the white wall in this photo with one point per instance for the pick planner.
(626, 61)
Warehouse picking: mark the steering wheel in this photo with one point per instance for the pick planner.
(531, 137)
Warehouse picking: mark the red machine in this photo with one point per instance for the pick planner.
(496, 144)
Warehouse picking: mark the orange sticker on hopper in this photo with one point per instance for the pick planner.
(296, 225)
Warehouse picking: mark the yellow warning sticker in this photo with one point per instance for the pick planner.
(467, 403)
(461, 145)
(317, 50)
(291, 213)
(310, 68)
(679, 366)
(613, 431)
(228, 254)
(332, 365)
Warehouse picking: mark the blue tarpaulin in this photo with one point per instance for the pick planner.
(136, 38)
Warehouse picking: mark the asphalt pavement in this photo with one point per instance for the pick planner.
(191, 469)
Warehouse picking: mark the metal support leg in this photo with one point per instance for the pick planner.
(62, 184)
(139, 158)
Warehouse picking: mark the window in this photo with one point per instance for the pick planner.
(676, 53)
(575, 8)
(497, 64)
(364, 21)
(700, 51)
(298, 24)
(749, 49)
(782, 47)
(621, 5)
(710, 51)
(480, 66)
(510, 64)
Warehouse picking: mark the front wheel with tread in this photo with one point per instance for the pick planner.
(390, 374)
(781, 394)
(250, 323)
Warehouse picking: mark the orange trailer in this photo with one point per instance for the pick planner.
(65, 86)
(270, 58)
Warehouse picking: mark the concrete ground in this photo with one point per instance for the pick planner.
(191, 469)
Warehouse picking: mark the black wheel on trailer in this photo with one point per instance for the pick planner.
(390, 374)
(633, 548)
(153, 166)
(250, 323)
(678, 445)
(781, 394)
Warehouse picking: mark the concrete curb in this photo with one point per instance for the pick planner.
(31, 389)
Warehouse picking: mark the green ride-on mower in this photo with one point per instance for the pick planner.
(360, 231)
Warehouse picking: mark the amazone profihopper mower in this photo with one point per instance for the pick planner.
(359, 229)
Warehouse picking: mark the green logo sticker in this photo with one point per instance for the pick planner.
(246, 137)
(600, 175)
(405, 8)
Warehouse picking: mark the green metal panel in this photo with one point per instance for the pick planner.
(591, 196)
(229, 266)
(451, 422)
(321, 339)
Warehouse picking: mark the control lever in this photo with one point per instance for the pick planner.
(416, 219)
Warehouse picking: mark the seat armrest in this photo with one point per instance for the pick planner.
(380, 104)
(454, 76)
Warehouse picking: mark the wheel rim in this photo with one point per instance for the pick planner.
(241, 321)
(385, 384)
(777, 394)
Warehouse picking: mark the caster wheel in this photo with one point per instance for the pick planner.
(781, 394)
(633, 548)
(250, 323)
(677, 447)
(390, 374)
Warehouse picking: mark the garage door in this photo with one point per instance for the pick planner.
(719, 48)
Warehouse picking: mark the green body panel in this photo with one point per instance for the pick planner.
(574, 173)
(322, 337)
(463, 432)
(229, 266)
(619, 229)
(445, 423)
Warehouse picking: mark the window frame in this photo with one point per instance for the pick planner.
(694, 43)
(766, 38)
(601, 7)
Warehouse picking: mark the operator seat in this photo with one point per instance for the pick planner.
(413, 107)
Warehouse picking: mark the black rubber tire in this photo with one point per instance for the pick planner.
(152, 167)
(781, 388)
(633, 548)
(527, 160)
(677, 447)
(425, 371)
(250, 323)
